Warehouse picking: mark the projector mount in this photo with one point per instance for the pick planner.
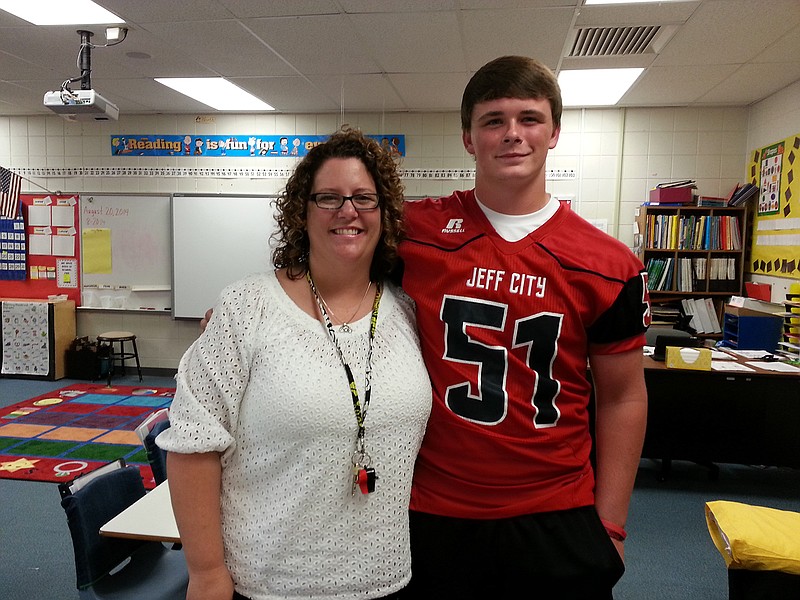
(84, 63)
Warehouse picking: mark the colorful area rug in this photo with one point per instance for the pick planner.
(60, 435)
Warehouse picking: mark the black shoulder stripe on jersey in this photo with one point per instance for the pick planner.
(578, 269)
(438, 247)
(624, 318)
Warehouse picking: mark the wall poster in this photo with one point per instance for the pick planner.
(775, 248)
(26, 340)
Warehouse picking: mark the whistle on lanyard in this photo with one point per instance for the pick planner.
(364, 478)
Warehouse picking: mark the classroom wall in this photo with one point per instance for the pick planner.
(617, 154)
(770, 121)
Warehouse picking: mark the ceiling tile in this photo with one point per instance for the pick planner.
(328, 44)
(224, 47)
(729, 31)
(431, 91)
(749, 83)
(665, 86)
(528, 32)
(288, 94)
(406, 43)
(360, 92)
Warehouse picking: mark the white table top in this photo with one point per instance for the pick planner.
(149, 518)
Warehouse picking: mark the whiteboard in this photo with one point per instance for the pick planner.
(140, 273)
(216, 240)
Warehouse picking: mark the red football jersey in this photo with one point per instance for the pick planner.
(506, 329)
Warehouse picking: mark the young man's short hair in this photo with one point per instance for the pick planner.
(511, 77)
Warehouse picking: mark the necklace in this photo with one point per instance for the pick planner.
(345, 326)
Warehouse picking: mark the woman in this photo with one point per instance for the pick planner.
(299, 411)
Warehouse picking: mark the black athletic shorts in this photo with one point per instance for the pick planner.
(396, 596)
(563, 555)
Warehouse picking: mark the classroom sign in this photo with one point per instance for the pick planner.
(237, 146)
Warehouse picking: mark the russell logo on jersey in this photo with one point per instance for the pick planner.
(454, 226)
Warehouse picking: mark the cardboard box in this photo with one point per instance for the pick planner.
(753, 307)
(697, 359)
(672, 195)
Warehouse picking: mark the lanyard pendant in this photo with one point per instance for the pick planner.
(364, 479)
(363, 475)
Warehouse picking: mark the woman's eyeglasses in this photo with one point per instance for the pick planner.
(333, 201)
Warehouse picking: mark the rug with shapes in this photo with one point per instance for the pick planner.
(60, 435)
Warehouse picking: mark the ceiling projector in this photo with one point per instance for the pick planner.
(81, 105)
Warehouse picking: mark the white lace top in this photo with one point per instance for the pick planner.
(264, 386)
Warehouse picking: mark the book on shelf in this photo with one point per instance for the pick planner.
(665, 282)
(732, 193)
(687, 306)
(702, 313)
(731, 238)
(703, 316)
(711, 201)
(691, 274)
(700, 265)
(664, 314)
(660, 274)
(743, 194)
(711, 309)
(722, 276)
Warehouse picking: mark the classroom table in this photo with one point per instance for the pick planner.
(149, 518)
(709, 417)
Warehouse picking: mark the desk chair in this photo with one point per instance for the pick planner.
(118, 568)
(155, 455)
(120, 337)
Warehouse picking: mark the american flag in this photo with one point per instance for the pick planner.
(9, 193)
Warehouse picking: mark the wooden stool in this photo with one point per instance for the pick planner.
(121, 356)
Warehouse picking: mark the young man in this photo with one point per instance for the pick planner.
(514, 294)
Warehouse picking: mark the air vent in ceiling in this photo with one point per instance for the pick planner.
(612, 41)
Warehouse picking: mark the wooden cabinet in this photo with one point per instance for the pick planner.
(35, 335)
(692, 251)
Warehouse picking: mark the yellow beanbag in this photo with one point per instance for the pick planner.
(755, 537)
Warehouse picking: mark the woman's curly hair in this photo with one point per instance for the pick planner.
(292, 244)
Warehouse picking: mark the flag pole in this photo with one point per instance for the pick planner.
(41, 187)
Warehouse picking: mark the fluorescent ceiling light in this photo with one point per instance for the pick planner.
(595, 87)
(215, 92)
(588, 2)
(59, 12)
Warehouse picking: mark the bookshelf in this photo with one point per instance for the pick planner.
(692, 251)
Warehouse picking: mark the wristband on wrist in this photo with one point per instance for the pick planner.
(614, 531)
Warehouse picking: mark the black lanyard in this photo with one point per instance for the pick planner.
(359, 410)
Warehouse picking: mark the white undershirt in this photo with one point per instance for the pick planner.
(513, 228)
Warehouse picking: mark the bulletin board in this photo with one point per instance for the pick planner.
(216, 241)
(127, 253)
(775, 249)
(52, 246)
